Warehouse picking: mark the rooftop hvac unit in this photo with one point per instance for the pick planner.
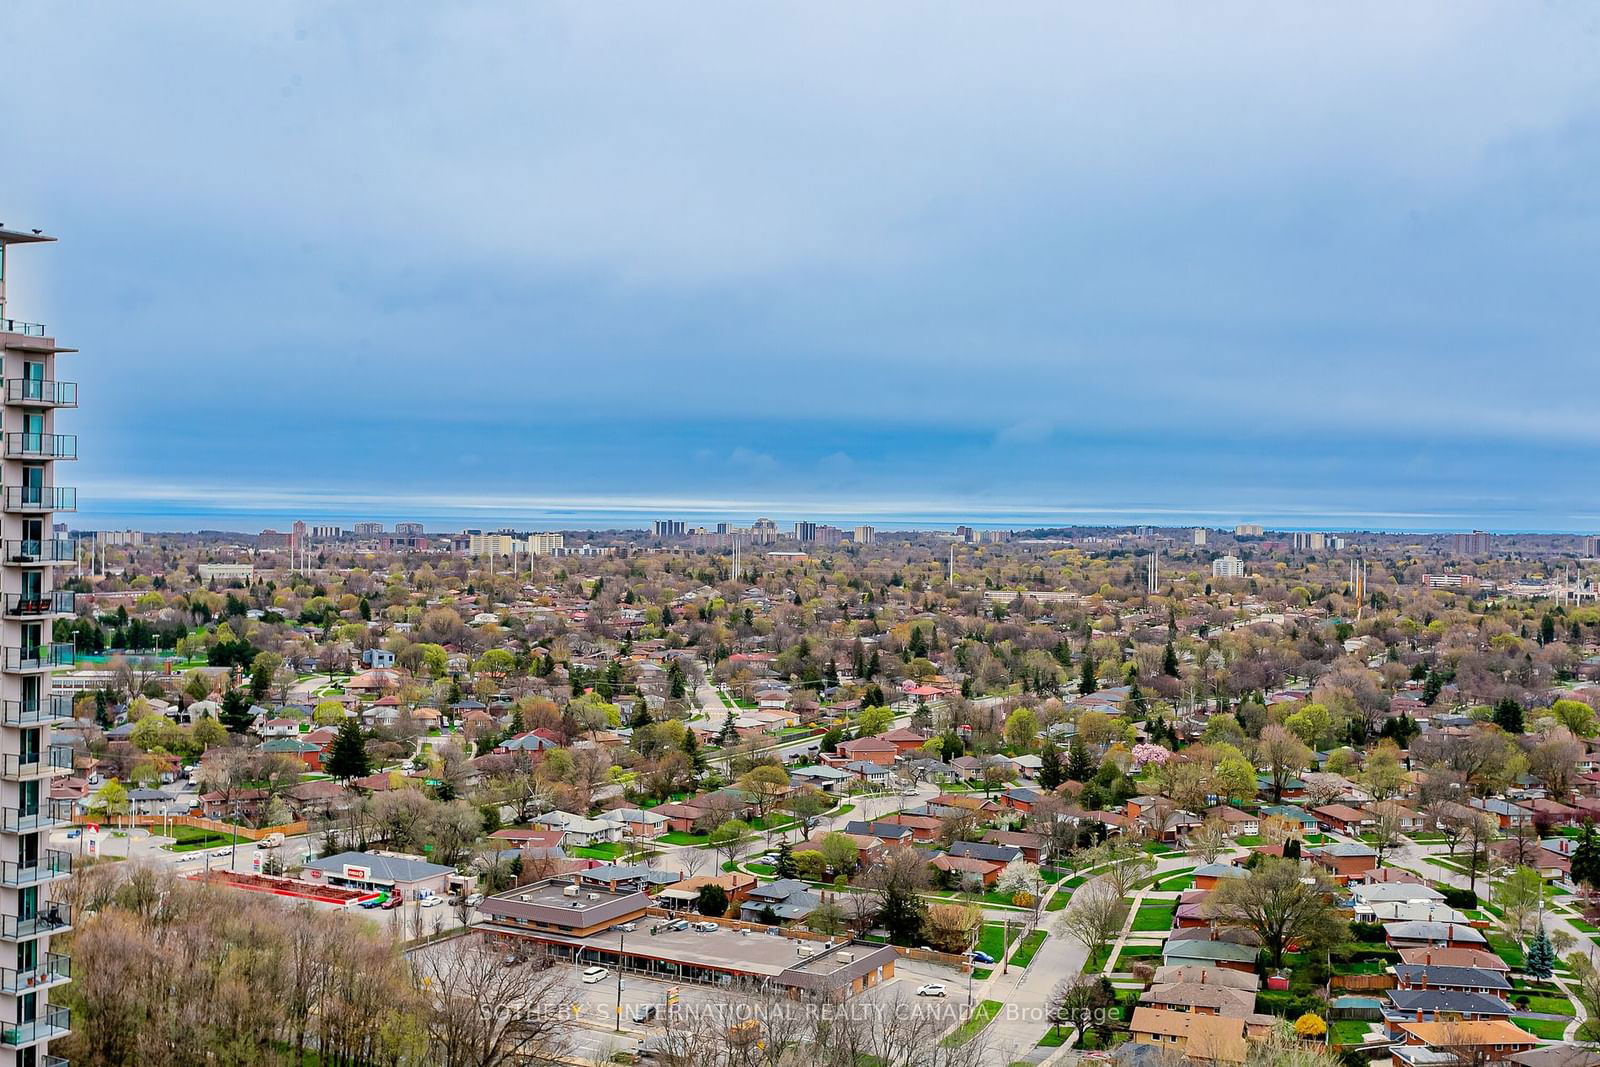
(570, 891)
(847, 957)
(594, 896)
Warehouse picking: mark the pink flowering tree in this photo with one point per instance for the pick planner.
(1145, 754)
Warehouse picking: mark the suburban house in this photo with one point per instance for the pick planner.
(1204, 1039)
(580, 831)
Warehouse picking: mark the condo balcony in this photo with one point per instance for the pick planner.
(33, 658)
(54, 1022)
(46, 815)
(30, 606)
(48, 867)
(41, 446)
(38, 553)
(26, 329)
(35, 392)
(56, 759)
(53, 918)
(52, 970)
(57, 707)
(30, 498)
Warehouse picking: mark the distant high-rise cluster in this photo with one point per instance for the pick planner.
(668, 528)
(367, 529)
(1249, 529)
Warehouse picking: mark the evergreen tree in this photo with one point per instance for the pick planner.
(1088, 683)
(235, 714)
(1291, 849)
(677, 687)
(873, 666)
(1169, 661)
(1586, 857)
(1541, 955)
(785, 867)
(830, 674)
(1050, 767)
(1079, 767)
(366, 609)
(347, 756)
(691, 748)
(728, 734)
(1508, 716)
(1431, 686)
(641, 716)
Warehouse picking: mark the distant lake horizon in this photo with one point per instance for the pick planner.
(187, 515)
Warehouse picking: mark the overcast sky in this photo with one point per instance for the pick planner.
(1240, 261)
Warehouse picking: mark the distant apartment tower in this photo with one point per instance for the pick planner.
(994, 537)
(30, 909)
(1200, 535)
(491, 544)
(864, 535)
(668, 528)
(805, 532)
(408, 529)
(1591, 546)
(119, 538)
(966, 534)
(1476, 543)
(272, 539)
(1308, 542)
(367, 529)
(828, 535)
(546, 544)
(1227, 567)
(1249, 529)
(763, 532)
(327, 533)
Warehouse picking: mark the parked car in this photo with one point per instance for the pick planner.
(595, 975)
(373, 903)
(643, 1013)
(980, 956)
(272, 840)
(394, 901)
(432, 900)
(706, 927)
(932, 989)
(474, 899)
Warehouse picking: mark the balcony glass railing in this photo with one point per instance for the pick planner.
(41, 498)
(41, 446)
(53, 864)
(54, 969)
(52, 760)
(28, 605)
(53, 918)
(57, 707)
(41, 392)
(39, 657)
(27, 329)
(53, 1022)
(45, 816)
(56, 550)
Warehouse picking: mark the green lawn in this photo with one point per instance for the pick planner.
(1546, 1029)
(982, 1016)
(193, 838)
(1176, 881)
(1155, 916)
(1030, 945)
(1349, 1031)
(1507, 950)
(1549, 1005)
(1131, 953)
(1586, 927)
(606, 850)
(993, 939)
(678, 837)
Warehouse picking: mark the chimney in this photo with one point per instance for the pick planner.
(1427, 957)
(1202, 976)
(1419, 1015)
(1424, 984)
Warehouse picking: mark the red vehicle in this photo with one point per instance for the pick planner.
(394, 901)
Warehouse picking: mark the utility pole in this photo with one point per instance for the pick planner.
(622, 944)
